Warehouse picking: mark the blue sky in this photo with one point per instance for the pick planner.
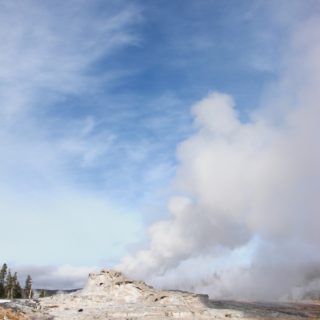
(95, 98)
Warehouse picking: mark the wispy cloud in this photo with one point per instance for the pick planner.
(53, 46)
(48, 54)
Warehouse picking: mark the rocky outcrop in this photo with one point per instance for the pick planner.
(111, 295)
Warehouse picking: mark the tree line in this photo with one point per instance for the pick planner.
(10, 287)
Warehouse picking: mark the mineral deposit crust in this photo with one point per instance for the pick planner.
(110, 295)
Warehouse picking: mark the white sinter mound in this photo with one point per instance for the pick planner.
(111, 295)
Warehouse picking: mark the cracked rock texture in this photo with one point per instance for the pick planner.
(111, 295)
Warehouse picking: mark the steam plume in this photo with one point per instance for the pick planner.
(248, 192)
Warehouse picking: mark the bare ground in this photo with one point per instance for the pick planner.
(250, 310)
(270, 310)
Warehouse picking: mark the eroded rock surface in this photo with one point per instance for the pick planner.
(111, 295)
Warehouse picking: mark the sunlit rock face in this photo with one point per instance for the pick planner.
(116, 287)
(110, 294)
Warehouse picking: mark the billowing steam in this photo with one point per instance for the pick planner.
(246, 222)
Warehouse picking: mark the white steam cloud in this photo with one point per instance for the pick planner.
(246, 222)
(52, 277)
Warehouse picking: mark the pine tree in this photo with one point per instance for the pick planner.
(16, 290)
(42, 293)
(3, 273)
(9, 286)
(28, 292)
